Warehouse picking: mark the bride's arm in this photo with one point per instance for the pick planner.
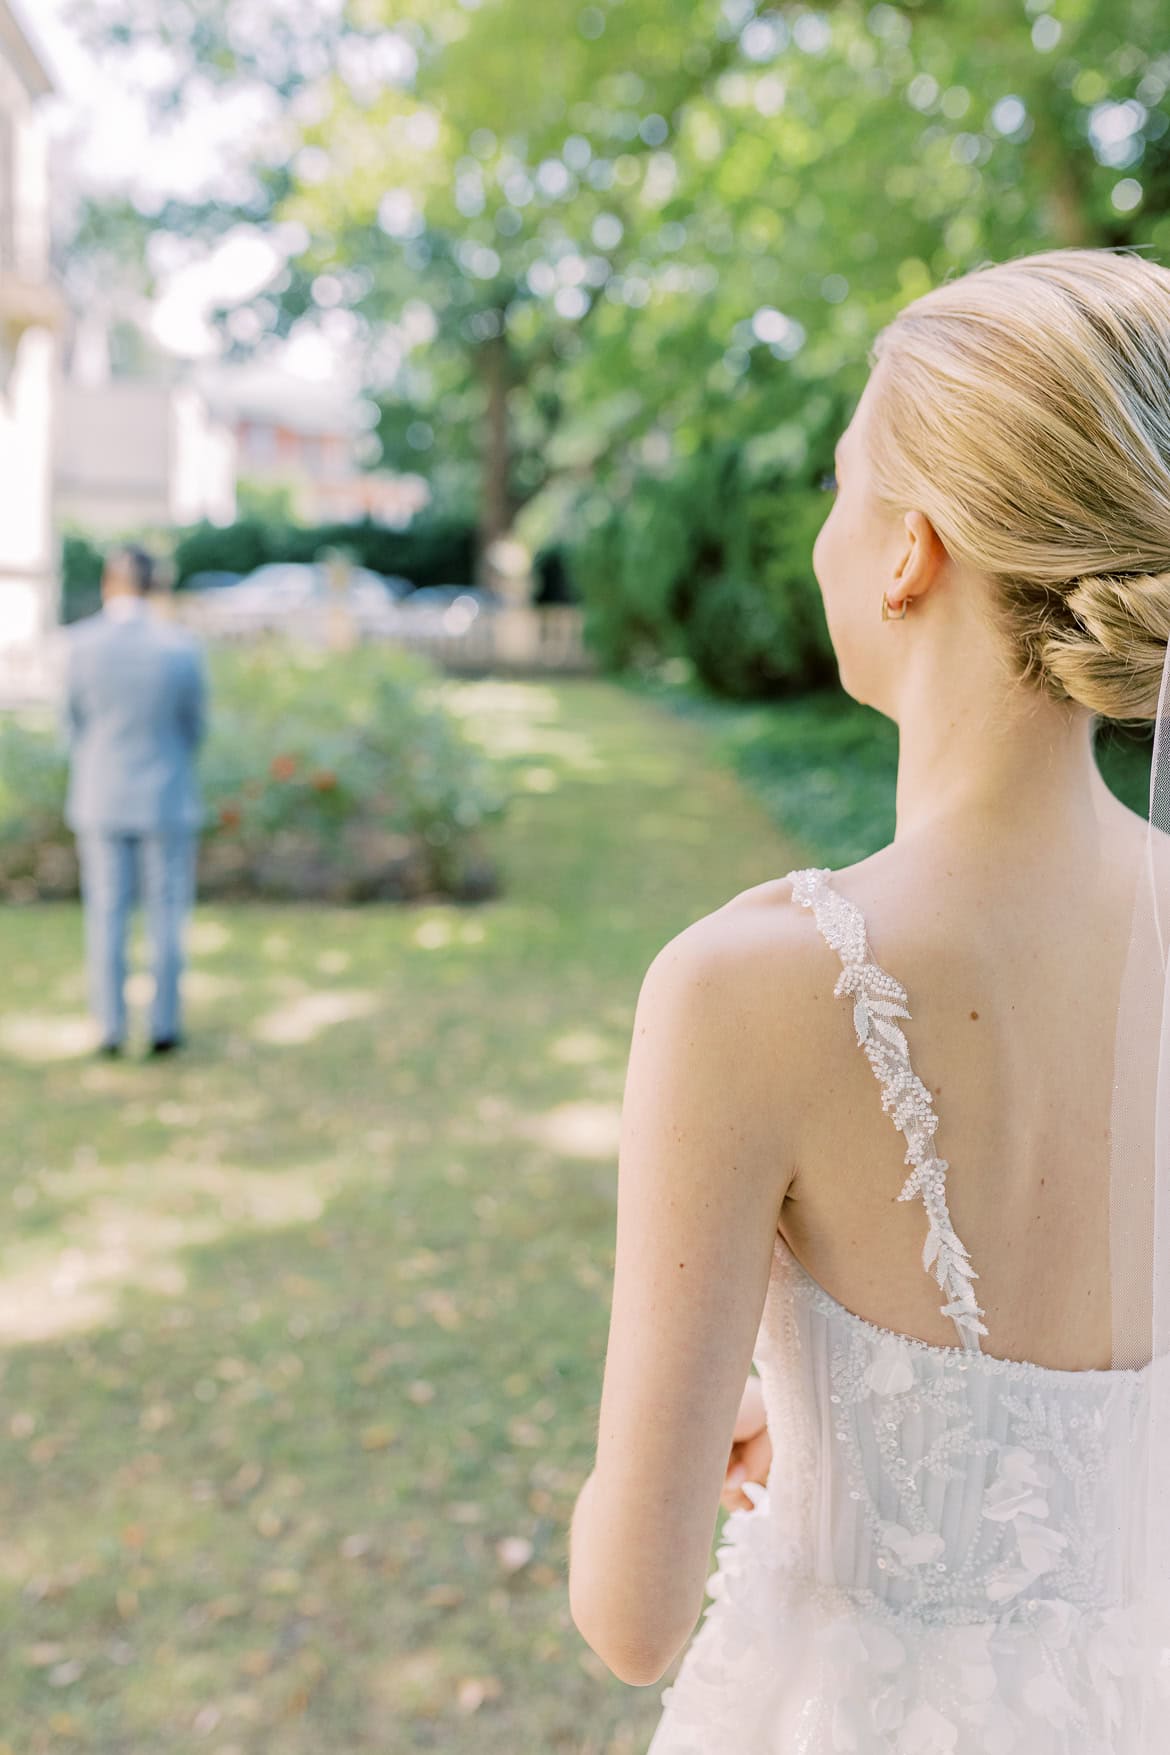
(700, 1184)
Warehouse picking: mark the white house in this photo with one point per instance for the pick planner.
(31, 314)
(138, 454)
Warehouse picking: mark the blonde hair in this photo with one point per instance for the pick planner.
(1025, 409)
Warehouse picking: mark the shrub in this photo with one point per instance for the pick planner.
(81, 576)
(712, 563)
(435, 551)
(323, 775)
(553, 576)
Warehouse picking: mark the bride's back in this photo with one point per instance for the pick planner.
(963, 1542)
(1013, 976)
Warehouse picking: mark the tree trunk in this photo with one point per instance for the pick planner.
(495, 519)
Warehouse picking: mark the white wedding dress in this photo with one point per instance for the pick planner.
(933, 1566)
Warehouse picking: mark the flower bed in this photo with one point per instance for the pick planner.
(339, 777)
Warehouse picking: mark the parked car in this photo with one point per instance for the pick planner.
(213, 581)
(276, 593)
(391, 583)
(373, 599)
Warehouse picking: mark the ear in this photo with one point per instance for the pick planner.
(921, 559)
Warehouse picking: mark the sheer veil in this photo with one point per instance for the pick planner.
(1139, 1219)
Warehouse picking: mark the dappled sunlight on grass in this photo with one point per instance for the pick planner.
(333, 962)
(581, 1048)
(513, 720)
(434, 934)
(33, 1036)
(449, 927)
(577, 1130)
(128, 1226)
(200, 985)
(537, 779)
(303, 1019)
(206, 936)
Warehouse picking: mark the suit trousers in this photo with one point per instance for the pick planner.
(117, 870)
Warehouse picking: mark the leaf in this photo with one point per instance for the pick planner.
(888, 1008)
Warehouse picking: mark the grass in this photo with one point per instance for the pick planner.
(302, 1334)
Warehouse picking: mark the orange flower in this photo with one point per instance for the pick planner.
(283, 767)
(229, 816)
(325, 780)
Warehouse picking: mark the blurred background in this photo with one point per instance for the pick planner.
(471, 369)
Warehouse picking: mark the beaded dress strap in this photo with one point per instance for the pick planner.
(877, 1000)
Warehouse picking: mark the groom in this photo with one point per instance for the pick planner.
(135, 714)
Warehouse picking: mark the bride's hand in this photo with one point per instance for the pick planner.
(751, 1449)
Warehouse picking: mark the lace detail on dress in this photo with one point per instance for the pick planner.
(877, 1000)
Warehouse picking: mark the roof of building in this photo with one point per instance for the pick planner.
(18, 49)
(272, 396)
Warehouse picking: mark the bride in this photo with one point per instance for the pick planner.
(940, 1540)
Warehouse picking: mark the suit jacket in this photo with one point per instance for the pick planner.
(135, 715)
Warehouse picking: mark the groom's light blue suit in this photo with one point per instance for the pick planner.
(135, 716)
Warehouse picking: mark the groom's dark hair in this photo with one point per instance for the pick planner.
(141, 565)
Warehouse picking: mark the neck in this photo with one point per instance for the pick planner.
(999, 771)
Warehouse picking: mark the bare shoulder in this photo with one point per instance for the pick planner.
(754, 967)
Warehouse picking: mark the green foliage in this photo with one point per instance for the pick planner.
(605, 238)
(711, 562)
(1124, 755)
(33, 776)
(825, 767)
(266, 502)
(434, 551)
(315, 769)
(737, 639)
(231, 548)
(303, 744)
(81, 576)
(555, 581)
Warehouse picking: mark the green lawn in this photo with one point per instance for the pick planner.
(299, 1329)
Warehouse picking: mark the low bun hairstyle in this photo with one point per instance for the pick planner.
(1025, 409)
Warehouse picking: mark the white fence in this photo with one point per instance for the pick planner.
(545, 638)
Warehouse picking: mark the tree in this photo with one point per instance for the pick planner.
(579, 242)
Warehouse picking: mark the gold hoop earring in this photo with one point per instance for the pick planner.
(893, 615)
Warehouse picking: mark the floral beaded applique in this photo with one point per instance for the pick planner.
(877, 1000)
